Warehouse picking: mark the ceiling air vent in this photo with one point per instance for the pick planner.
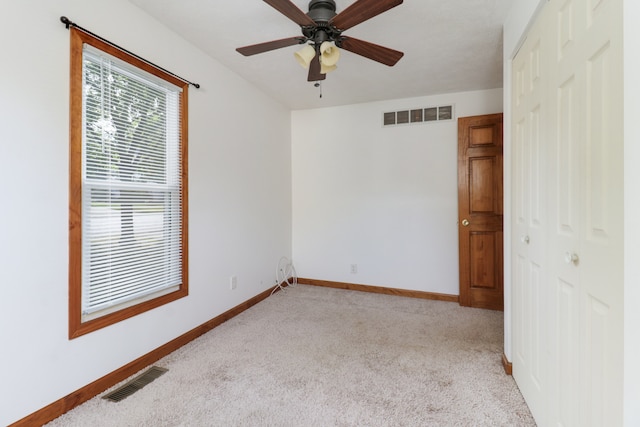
(418, 115)
(135, 384)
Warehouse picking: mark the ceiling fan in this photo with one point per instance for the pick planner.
(322, 30)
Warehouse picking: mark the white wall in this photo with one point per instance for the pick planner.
(632, 213)
(382, 198)
(518, 20)
(239, 213)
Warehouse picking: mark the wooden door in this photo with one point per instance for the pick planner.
(480, 211)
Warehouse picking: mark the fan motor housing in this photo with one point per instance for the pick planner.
(322, 11)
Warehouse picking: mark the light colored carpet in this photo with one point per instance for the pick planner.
(314, 356)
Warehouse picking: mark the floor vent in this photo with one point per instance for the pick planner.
(135, 384)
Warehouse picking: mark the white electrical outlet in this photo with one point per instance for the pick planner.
(354, 268)
(233, 282)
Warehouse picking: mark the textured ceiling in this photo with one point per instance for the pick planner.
(449, 46)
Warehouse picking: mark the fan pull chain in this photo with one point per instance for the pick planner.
(319, 85)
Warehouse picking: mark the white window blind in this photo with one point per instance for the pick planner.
(131, 186)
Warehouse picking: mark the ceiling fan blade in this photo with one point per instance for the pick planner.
(314, 70)
(272, 45)
(372, 51)
(292, 12)
(360, 11)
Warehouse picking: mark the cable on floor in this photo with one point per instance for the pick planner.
(286, 275)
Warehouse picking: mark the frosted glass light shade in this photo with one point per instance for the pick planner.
(305, 55)
(329, 54)
(324, 69)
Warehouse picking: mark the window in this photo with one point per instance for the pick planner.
(128, 182)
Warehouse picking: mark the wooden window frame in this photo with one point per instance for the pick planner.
(76, 326)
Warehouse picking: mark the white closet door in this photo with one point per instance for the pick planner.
(567, 199)
(530, 288)
(586, 233)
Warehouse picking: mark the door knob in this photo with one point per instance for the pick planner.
(465, 222)
(525, 239)
(571, 258)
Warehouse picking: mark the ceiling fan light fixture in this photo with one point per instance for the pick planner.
(322, 33)
(329, 54)
(305, 55)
